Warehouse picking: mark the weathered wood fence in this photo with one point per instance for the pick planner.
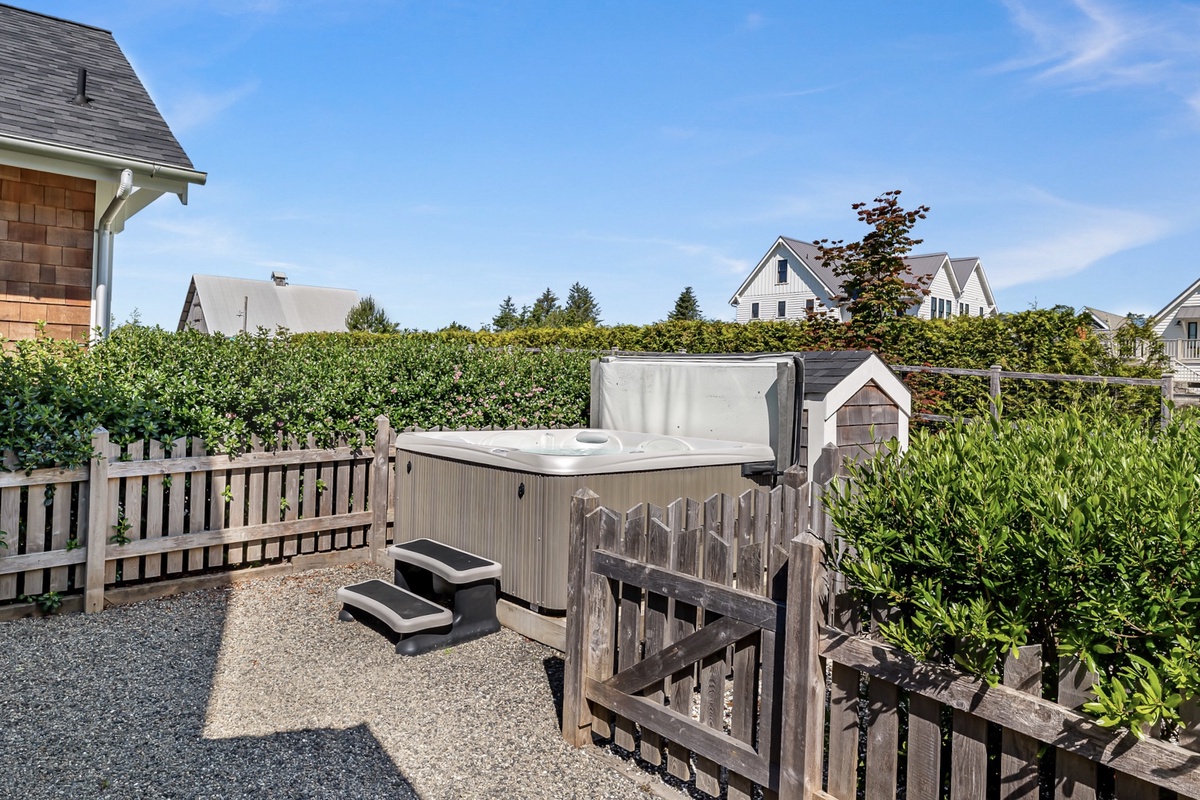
(1165, 384)
(709, 638)
(153, 513)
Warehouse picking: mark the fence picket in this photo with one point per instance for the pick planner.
(60, 532)
(115, 514)
(131, 567)
(358, 496)
(197, 517)
(718, 528)
(749, 576)
(271, 510)
(1019, 753)
(924, 765)
(255, 486)
(602, 615)
(883, 728)
(291, 504)
(325, 504)
(235, 553)
(658, 554)
(35, 537)
(10, 523)
(308, 506)
(633, 545)
(151, 565)
(684, 521)
(1074, 775)
(341, 539)
(176, 508)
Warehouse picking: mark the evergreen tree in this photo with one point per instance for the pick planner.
(507, 319)
(686, 307)
(581, 308)
(543, 309)
(876, 283)
(369, 318)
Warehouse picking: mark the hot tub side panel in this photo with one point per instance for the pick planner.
(484, 510)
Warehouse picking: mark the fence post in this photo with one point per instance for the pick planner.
(1168, 392)
(97, 530)
(576, 718)
(803, 732)
(994, 388)
(377, 533)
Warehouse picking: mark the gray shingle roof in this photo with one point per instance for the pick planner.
(39, 61)
(963, 267)
(922, 266)
(825, 369)
(300, 309)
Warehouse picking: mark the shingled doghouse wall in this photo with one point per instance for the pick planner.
(46, 236)
(851, 400)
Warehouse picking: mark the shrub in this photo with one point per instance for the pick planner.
(1077, 530)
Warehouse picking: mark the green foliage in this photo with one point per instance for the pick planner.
(877, 284)
(507, 318)
(47, 603)
(1077, 530)
(121, 528)
(581, 308)
(687, 308)
(368, 317)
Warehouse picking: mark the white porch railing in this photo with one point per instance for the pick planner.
(1183, 349)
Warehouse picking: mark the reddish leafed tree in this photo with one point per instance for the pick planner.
(876, 283)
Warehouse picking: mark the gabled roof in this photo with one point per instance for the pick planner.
(825, 369)
(921, 266)
(269, 305)
(40, 57)
(1173, 306)
(1106, 320)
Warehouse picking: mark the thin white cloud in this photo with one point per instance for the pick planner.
(1060, 238)
(712, 255)
(753, 21)
(194, 109)
(1101, 44)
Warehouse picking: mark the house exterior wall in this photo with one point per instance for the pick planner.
(973, 296)
(46, 240)
(766, 290)
(1166, 327)
(939, 287)
(865, 422)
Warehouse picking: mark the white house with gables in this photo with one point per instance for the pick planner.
(1178, 325)
(792, 282)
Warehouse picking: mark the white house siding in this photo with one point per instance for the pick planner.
(1166, 327)
(767, 291)
(941, 287)
(195, 318)
(972, 295)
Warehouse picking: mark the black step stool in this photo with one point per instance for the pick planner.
(431, 578)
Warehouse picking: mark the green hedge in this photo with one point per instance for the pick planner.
(1075, 530)
(149, 382)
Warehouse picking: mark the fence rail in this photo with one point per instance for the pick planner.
(708, 637)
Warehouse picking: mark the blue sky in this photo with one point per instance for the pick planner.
(442, 155)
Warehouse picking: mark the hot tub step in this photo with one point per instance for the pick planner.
(454, 565)
(396, 607)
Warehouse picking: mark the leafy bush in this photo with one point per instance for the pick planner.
(1077, 530)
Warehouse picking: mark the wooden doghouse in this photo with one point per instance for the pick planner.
(851, 400)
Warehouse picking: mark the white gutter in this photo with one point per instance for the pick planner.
(150, 168)
(102, 282)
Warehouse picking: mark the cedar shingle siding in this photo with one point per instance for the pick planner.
(46, 224)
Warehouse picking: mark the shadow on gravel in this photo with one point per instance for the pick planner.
(113, 705)
(554, 666)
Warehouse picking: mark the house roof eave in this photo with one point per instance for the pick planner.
(781, 240)
(106, 166)
(1171, 307)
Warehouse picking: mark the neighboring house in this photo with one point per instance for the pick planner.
(1105, 322)
(229, 306)
(1178, 324)
(792, 282)
(82, 149)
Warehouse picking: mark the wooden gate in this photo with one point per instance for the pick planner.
(675, 636)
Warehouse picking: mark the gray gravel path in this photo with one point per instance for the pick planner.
(258, 691)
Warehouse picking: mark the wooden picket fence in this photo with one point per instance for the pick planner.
(710, 639)
(162, 512)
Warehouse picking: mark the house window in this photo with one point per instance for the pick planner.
(964, 309)
(810, 306)
(782, 309)
(1191, 330)
(781, 268)
(981, 311)
(754, 311)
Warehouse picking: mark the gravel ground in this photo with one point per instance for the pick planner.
(258, 691)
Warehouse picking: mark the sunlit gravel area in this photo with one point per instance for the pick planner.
(259, 691)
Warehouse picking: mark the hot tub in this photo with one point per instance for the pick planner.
(506, 495)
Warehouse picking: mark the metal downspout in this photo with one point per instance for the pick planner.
(102, 283)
